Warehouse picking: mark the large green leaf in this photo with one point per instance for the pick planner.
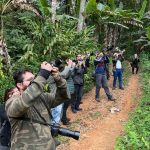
(118, 24)
(142, 11)
(102, 7)
(112, 4)
(45, 7)
(91, 6)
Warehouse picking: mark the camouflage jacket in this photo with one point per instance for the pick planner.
(27, 135)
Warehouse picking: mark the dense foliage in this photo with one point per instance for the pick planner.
(31, 35)
(137, 131)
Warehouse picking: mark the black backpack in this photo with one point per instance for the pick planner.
(5, 128)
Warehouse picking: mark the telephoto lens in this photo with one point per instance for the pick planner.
(65, 132)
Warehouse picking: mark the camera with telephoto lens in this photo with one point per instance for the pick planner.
(55, 130)
(59, 63)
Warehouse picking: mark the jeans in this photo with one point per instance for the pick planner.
(117, 74)
(77, 96)
(57, 114)
(101, 81)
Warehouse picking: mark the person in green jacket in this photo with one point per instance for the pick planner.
(32, 103)
(68, 74)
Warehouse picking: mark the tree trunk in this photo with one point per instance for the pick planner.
(115, 36)
(106, 35)
(110, 38)
(81, 16)
(54, 6)
(4, 54)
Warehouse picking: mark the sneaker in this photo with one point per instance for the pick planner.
(111, 99)
(68, 119)
(74, 111)
(57, 143)
(113, 88)
(79, 109)
(81, 102)
(97, 99)
(121, 88)
(66, 122)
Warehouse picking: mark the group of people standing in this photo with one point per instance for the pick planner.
(102, 73)
(29, 102)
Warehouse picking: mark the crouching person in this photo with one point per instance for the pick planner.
(29, 110)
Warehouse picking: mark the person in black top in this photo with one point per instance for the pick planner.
(135, 63)
(106, 61)
(5, 130)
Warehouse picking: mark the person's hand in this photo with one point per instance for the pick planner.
(69, 62)
(45, 65)
(73, 64)
(55, 70)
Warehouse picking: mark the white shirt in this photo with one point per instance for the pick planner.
(118, 64)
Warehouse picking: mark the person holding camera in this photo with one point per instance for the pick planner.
(106, 61)
(117, 70)
(79, 71)
(28, 112)
(101, 79)
(68, 74)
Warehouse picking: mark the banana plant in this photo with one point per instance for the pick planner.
(111, 19)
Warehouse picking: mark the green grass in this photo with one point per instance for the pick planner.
(137, 129)
(126, 73)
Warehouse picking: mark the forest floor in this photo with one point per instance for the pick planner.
(98, 126)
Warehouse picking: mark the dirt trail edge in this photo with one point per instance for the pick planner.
(101, 133)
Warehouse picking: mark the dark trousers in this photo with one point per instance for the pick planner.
(107, 71)
(4, 147)
(77, 96)
(101, 81)
(135, 68)
(65, 107)
(117, 74)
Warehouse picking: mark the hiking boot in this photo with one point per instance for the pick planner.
(66, 122)
(121, 88)
(74, 111)
(97, 99)
(68, 119)
(79, 109)
(113, 88)
(111, 99)
(57, 143)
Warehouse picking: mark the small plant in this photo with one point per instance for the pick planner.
(95, 115)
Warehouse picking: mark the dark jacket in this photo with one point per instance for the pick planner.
(79, 75)
(30, 135)
(5, 130)
(135, 62)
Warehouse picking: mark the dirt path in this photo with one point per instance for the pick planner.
(100, 128)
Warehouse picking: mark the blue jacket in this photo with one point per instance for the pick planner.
(100, 67)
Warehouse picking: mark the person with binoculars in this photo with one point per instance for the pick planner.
(28, 111)
(79, 71)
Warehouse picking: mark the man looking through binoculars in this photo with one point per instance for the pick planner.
(33, 104)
